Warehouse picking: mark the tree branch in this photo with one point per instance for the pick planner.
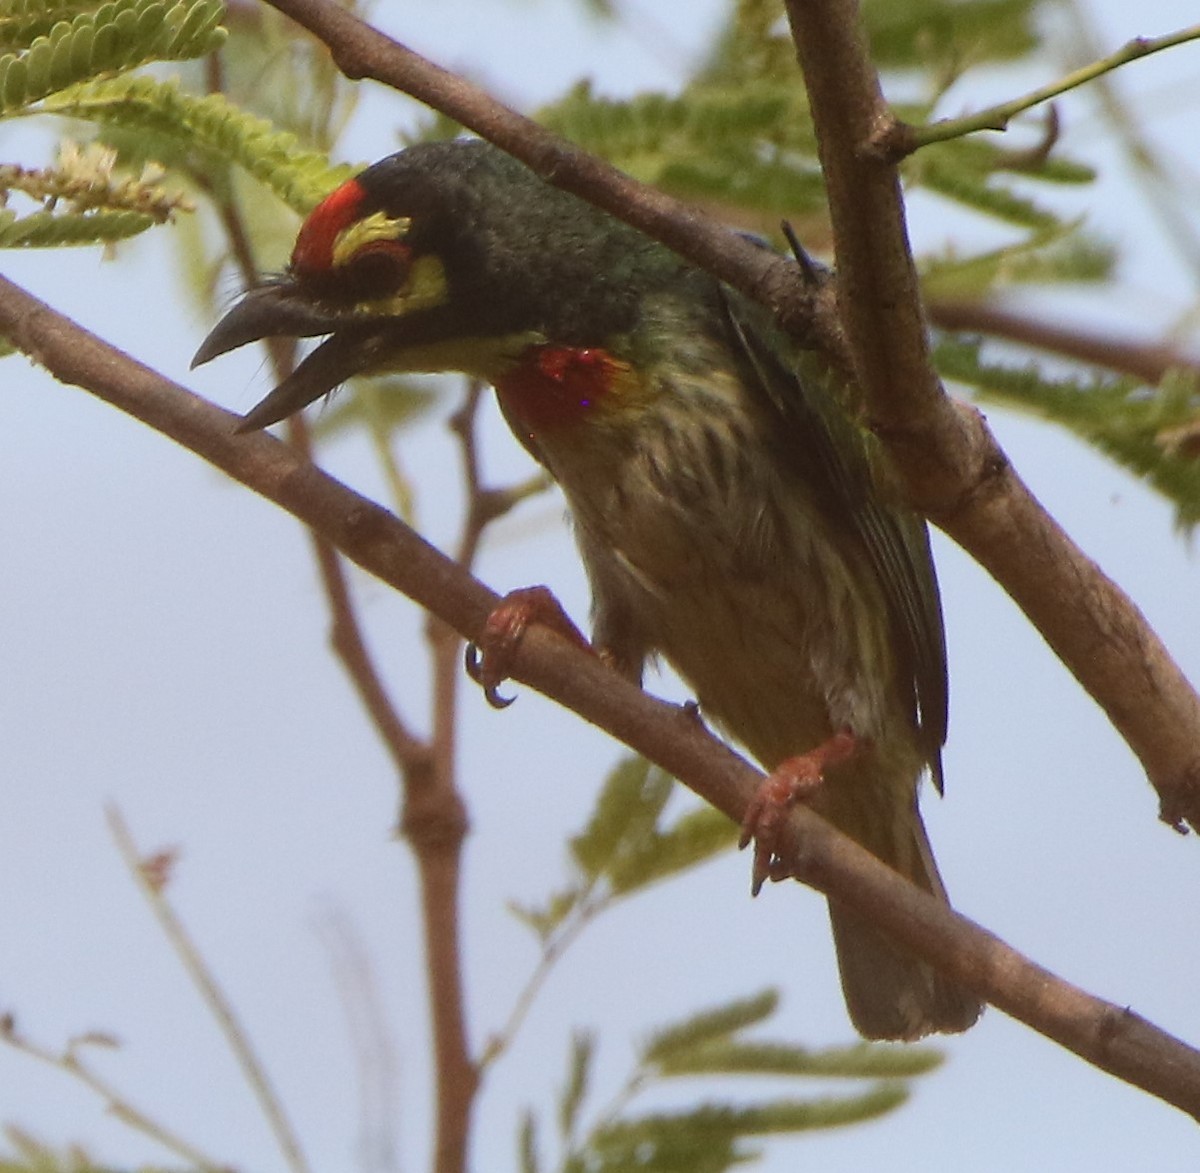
(1111, 1037)
(951, 465)
(902, 139)
(948, 462)
(1147, 361)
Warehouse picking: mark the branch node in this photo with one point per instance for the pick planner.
(892, 139)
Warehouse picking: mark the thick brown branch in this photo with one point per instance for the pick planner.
(950, 463)
(1149, 361)
(947, 459)
(1112, 1038)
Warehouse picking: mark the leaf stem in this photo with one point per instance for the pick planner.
(903, 139)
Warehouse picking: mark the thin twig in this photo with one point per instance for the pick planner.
(69, 1061)
(406, 749)
(1148, 362)
(898, 139)
(1162, 191)
(552, 953)
(371, 1038)
(214, 998)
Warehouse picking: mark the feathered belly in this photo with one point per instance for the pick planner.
(738, 585)
(780, 657)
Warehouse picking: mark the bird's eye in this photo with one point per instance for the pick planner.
(378, 269)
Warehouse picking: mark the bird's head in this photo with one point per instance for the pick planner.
(444, 257)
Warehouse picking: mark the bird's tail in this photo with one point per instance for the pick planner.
(890, 993)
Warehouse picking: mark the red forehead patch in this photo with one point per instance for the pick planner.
(314, 246)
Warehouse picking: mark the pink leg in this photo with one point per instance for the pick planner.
(489, 660)
(794, 780)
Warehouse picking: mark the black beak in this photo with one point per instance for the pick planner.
(281, 311)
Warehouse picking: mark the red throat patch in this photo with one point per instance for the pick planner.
(313, 252)
(553, 387)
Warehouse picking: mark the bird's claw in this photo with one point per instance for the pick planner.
(794, 780)
(473, 662)
(766, 817)
(489, 659)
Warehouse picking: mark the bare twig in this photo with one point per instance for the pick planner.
(69, 1061)
(898, 139)
(218, 1004)
(1164, 193)
(553, 949)
(1148, 362)
(370, 1034)
(1109, 1036)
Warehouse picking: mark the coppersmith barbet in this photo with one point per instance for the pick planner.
(726, 508)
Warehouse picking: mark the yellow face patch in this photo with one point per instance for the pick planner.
(424, 288)
(376, 226)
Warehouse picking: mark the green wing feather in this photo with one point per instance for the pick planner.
(836, 463)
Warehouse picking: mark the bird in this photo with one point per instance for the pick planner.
(732, 514)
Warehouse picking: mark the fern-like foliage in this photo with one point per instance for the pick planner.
(46, 229)
(920, 34)
(30, 1154)
(1131, 423)
(739, 137)
(713, 1137)
(117, 36)
(85, 201)
(627, 845)
(48, 46)
(208, 124)
(22, 21)
(1060, 253)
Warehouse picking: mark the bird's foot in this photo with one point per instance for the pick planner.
(489, 659)
(794, 780)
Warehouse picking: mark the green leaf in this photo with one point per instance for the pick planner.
(583, 1047)
(741, 147)
(986, 196)
(705, 1138)
(527, 1144)
(300, 178)
(1130, 423)
(45, 229)
(720, 1022)
(862, 1061)
(1060, 253)
(545, 920)
(118, 35)
(627, 808)
(911, 34)
(696, 837)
